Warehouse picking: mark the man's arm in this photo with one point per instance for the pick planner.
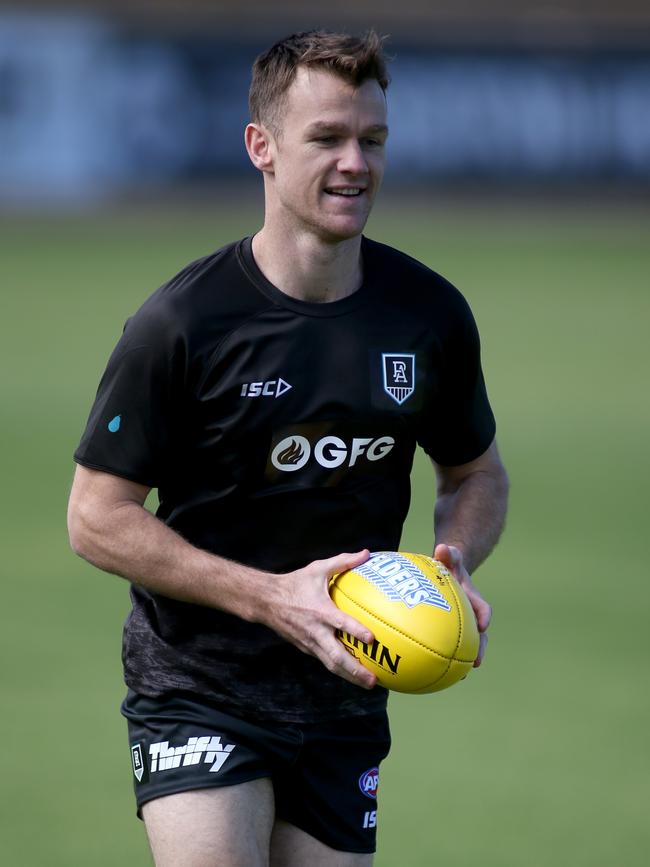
(109, 526)
(469, 518)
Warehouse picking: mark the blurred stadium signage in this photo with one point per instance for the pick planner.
(86, 108)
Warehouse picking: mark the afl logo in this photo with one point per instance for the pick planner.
(369, 783)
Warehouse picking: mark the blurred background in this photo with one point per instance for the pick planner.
(519, 167)
(107, 98)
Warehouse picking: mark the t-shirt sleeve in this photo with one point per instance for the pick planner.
(132, 427)
(461, 425)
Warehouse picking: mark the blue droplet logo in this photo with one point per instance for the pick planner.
(114, 424)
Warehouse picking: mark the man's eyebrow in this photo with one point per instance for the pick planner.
(380, 128)
(323, 126)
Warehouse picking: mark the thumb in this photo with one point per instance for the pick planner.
(448, 556)
(452, 558)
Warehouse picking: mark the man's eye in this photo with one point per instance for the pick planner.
(326, 139)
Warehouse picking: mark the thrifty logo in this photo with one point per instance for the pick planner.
(210, 749)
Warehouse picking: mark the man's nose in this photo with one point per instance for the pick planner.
(352, 159)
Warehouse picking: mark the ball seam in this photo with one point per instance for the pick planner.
(460, 618)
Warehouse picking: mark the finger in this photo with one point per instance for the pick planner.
(482, 609)
(453, 560)
(342, 562)
(481, 649)
(337, 657)
(345, 623)
(339, 660)
(360, 676)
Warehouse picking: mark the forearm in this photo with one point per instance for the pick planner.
(109, 527)
(471, 515)
(127, 540)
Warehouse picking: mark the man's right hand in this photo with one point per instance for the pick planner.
(302, 612)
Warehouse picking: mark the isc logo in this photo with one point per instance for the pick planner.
(272, 388)
(293, 452)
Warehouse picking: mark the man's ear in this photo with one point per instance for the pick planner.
(259, 144)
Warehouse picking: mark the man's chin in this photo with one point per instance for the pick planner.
(338, 230)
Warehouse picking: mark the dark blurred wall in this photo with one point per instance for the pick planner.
(91, 104)
(578, 22)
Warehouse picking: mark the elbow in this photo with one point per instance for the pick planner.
(503, 482)
(500, 490)
(79, 531)
(76, 535)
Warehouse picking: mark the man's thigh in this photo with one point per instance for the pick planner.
(233, 827)
(291, 847)
(190, 758)
(219, 827)
(331, 793)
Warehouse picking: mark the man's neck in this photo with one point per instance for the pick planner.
(307, 268)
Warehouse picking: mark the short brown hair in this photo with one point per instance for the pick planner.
(353, 58)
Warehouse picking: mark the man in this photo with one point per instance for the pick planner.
(274, 393)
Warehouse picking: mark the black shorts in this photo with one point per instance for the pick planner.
(324, 775)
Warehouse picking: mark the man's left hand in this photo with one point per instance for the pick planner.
(452, 558)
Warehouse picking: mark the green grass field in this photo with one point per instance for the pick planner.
(540, 759)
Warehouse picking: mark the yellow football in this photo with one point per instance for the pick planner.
(426, 637)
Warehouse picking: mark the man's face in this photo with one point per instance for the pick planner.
(329, 157)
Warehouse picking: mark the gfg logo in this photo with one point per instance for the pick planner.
(293, 452)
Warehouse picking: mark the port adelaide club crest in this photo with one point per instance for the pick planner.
(398, 370)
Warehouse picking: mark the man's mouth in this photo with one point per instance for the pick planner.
(344, 191)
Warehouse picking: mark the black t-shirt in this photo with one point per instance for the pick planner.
(277, 432)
